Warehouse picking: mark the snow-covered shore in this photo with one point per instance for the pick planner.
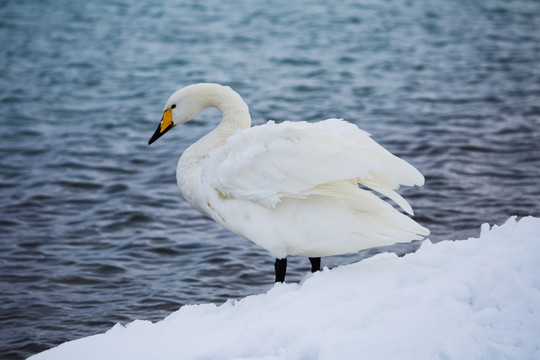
(473, 299)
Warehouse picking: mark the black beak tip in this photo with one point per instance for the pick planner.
(159, 133)
(154, 137)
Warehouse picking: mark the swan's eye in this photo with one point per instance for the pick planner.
(173, 106)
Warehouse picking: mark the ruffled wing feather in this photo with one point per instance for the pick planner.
(296, 159)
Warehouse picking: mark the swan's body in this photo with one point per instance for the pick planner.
(291, 188)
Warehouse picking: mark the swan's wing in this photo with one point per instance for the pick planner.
(296, 159)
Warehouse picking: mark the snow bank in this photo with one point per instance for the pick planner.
(473, 299)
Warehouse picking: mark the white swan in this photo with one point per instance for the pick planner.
(291, 188)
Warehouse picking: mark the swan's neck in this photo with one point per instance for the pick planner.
(234, 110)
(235, 115)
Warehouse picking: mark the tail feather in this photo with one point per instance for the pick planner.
(385, 219)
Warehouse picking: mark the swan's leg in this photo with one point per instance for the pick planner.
(281, 268)
(315, 264)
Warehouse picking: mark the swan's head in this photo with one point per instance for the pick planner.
(184, 105)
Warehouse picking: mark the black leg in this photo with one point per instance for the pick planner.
(281, 268)
(315, 264)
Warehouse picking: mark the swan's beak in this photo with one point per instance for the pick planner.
(165, 125)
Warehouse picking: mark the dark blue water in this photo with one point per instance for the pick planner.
(93, 230)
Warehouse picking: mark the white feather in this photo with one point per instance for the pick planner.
(268, 162)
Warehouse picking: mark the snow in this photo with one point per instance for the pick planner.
(472, 299)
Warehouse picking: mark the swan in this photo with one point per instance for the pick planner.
(293, 187)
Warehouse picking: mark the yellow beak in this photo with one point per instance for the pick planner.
(165, 125)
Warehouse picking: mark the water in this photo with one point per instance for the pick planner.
(93, 230)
